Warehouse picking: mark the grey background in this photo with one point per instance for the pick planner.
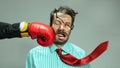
(97, 21)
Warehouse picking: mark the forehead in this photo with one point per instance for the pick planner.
(63, 16)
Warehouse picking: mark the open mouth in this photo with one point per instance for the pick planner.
(61, 36)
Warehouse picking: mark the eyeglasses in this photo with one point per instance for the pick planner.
(58, 22)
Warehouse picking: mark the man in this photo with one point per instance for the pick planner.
(62, 22)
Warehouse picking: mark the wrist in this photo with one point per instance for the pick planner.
(24, 29)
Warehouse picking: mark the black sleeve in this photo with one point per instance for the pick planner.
(9, 30)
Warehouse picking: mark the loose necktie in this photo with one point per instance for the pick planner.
(71, 60)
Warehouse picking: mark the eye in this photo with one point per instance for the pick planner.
(67, 25)
(57, 22)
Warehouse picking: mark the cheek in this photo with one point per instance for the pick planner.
(54, 28)
(68, 32)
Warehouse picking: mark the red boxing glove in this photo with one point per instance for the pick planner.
(42, 32)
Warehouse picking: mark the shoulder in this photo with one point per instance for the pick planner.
(38, 50)
(78, 50)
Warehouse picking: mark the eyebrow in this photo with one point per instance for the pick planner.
(68, 23)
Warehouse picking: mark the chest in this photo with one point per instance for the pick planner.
(49, 60)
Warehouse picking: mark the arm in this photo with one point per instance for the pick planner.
(43, 33)
(29, 61)
(16, 30)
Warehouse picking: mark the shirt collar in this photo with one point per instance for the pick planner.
(53, 47)
(66, 47)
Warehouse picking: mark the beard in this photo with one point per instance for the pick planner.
(58, 39)
(60, 42)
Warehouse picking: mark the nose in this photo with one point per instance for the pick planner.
(61, 27)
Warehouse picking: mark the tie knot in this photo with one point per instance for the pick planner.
(59, 51)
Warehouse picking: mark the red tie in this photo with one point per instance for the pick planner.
(71, 60)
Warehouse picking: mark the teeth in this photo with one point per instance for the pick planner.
(61, 35)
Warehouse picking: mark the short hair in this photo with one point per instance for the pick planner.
(65, 10)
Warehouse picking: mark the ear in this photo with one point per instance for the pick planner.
(50, 23)
(72, 27)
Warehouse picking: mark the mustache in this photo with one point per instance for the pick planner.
(61, 32)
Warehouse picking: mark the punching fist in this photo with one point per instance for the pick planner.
(42, 32)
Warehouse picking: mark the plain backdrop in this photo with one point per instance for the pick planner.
(97, 21)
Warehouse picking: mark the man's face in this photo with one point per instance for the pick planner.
(61, 27)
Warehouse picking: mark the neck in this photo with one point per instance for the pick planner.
(59, 46)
